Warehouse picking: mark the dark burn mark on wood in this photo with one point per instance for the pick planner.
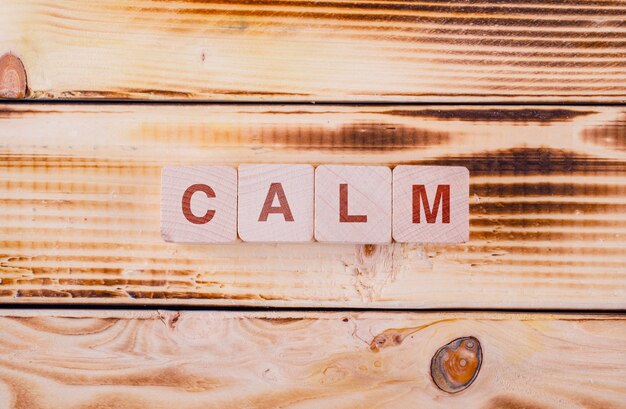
(495, 115)
(111, 282)
(539, 64)
(25, 393)
(531, 236)
(545, 207)
(369, 249)
(123, 93)
(454, 18)
(136, 294)
(593, 402)
(555, 223)
(42, 292)
(484, 9)
(188, 295)
(526, 189)
(58, 325)
(360, 136)
(130, 93)
(596, 252)
(173, 320)
(512, 402)
(174, 376)
(70, 293)
(572, 3)
(575, 4)
(564, 265)
(489, 32)
(612, 136)
(355, 137)
(281, 320)
(530, 161)
(257, 92)
(7, 111)
(579, 93)
(522, 43)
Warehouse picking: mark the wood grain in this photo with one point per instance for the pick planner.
(80, 189)
(213, 359)
(336, 50)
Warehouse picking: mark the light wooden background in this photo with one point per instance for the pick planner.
(80, 185)
(79, 202)
(197, 359)
(336, 50)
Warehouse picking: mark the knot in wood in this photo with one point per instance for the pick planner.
(456, 365)
(12, 77)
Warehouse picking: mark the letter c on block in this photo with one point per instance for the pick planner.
(209, 192)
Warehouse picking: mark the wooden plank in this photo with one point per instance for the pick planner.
(80, 192)
(336, 50)
(199, 359)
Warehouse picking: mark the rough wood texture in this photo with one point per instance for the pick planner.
(80, 188)
(210, 359)
(548, 50)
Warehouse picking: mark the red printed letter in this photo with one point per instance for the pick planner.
(344, 217)
(187, 204)
(419, 196)
(276, 189)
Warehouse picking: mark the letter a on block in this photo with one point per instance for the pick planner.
(199, 204)
(431, 204)
(353, 204)
(276, 203)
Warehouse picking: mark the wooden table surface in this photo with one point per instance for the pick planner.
(336, 50)
(97, 311)
(548, 206)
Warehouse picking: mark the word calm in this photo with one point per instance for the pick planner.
(330, 203)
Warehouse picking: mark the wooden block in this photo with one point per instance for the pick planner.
(353, 204)
(430, 204)
(276, 203)
(199, 204)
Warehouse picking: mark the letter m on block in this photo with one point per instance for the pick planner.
(442, 199)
